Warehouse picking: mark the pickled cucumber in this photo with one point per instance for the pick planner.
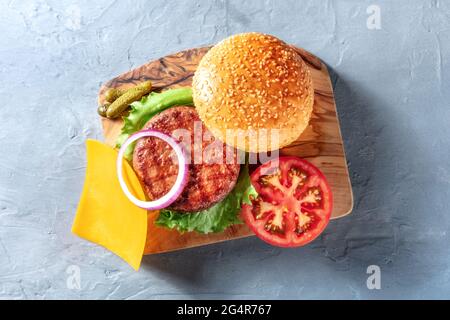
(101, 110)
(112, 94)
(133, 94)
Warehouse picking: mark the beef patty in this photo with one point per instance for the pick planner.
(211, 176)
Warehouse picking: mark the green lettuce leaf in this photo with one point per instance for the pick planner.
(218, 217)
(149, 106)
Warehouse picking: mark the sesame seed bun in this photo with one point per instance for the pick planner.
(256, 85)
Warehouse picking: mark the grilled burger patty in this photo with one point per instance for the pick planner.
(157, 167)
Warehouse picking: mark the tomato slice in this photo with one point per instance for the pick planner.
(293, 205)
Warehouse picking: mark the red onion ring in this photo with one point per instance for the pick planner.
(179, 184)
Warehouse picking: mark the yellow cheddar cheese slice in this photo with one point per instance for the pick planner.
(105, 215)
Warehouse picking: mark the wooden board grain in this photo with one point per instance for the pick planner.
(321, 143)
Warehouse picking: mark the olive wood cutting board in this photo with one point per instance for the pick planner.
(321, 143)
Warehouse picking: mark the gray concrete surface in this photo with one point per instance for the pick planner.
(392, 92)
